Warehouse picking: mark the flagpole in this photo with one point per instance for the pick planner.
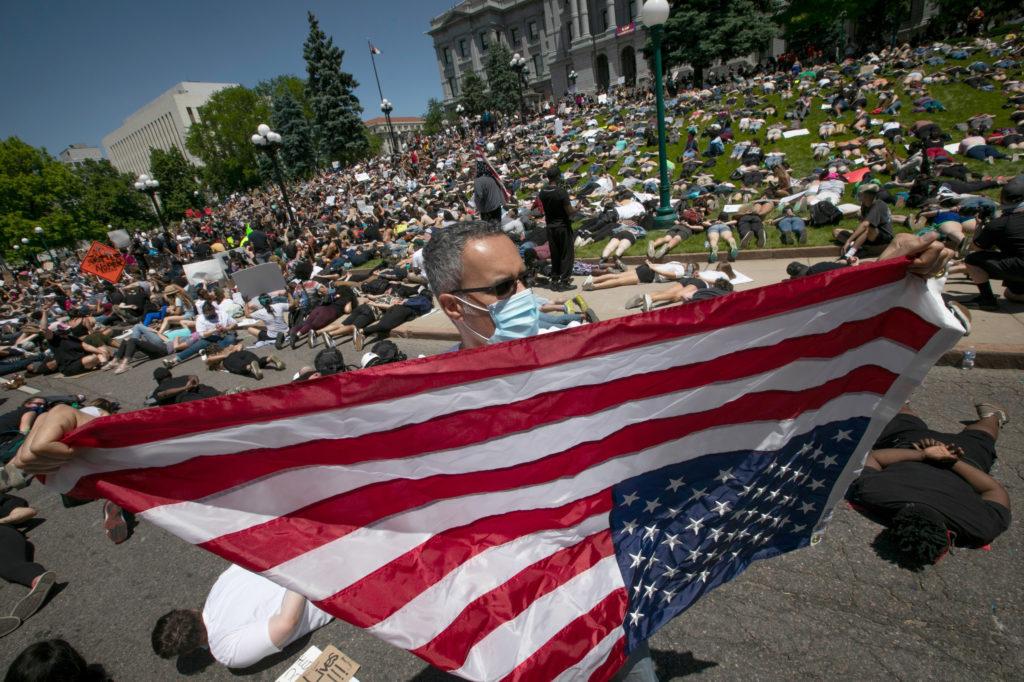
(387, 113)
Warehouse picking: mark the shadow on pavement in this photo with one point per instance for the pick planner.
(672, 664)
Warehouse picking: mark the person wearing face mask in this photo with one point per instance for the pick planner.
(214, 328)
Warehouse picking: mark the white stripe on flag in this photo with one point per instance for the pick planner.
(428, 614)
(335, 565)
(420, 407)
(266, 498)
(504, 648)
(594, 658)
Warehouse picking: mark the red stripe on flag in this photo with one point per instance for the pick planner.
(203, 476)
(616, 659)
(387, 382)
(572, 643)
(383, 592)
(449, 650)
(260, 547)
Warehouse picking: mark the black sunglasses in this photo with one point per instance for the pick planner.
(502, 289)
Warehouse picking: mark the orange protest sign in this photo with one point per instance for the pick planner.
(104, 261)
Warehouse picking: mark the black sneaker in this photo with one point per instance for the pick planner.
(312, 339)
(295, 342)
(785, 238)
(279, 341)
(802, 238)
(762, 239)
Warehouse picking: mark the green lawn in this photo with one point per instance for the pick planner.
(960, 100)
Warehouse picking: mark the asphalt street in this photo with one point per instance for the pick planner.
(835, 610)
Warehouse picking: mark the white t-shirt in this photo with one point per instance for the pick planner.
(237, 616)
(678, 272)
(276, 322)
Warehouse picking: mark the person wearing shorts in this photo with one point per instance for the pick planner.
(645, 273)
(723, 231)
(875, 228)
(678, 233)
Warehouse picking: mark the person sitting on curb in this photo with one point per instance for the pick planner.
(875, 228)
(932, 489)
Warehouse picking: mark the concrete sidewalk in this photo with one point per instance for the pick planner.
(997, 337)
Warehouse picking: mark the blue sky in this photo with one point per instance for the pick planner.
(72, 70)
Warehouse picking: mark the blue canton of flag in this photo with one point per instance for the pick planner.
(682, 530)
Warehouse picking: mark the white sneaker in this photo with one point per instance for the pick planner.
(648, 304)
(588, 283)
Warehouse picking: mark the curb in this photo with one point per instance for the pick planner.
(755, 254)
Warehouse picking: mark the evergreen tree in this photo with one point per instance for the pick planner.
(700, 32)
(297, 152)
(474, 94)
(336, 110)
(502, 80)
(435, 117)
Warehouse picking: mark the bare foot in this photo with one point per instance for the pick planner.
(18, 516)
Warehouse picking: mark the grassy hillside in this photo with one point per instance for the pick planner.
(961, 101)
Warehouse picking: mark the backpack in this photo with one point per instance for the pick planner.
(375, 286)
(420, 303)
(825, 213)
(329, 361)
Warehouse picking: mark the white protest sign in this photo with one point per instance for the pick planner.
(205, 271)
(796, 133)
(119, 238)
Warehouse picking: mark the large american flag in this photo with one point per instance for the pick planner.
(535, 509)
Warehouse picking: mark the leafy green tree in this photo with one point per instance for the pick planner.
(222, 139)
(336, 110)
(373, 142)
(502, 80)
(178, 187)
(435, 117)
(700, 32)
(816, 23)
(36, 189)
(297, 153)
(475, 98)
(109, 198)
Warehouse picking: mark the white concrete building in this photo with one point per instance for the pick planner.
(405, 128)
(75, 154)
(161, 124)
(601, 40)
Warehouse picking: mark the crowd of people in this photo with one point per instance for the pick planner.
(476, 219)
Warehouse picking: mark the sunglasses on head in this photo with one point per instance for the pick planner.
(502, 289)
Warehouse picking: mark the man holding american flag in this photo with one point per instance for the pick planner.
(534, 509)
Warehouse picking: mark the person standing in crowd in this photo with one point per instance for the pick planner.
(558, 214)
(487, 195)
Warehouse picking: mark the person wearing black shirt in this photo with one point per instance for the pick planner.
(1002, 254)
(171, 389)
(260, 245)
(202, 251)
(875, 228)
(558, 213)
(932, 489)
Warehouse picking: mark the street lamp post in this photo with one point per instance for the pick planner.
(39, 233)
(268, 141)
(518, 65)
(148, 185)
(655, 14)
(572, 81)
(387, 107)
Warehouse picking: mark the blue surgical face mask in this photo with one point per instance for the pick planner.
(515, 317)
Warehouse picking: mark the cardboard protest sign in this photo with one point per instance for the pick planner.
(103, 261)
(119, 238)
(796, 133)
(260, 279)
(205, 271)
(331, 666)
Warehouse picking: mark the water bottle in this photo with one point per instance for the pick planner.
(969, 356)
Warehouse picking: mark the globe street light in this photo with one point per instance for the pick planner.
(572, 81)
(387, 108)
(518, 65)
(148, 185)
(268, 141)
(655, 14)
(39, 233)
